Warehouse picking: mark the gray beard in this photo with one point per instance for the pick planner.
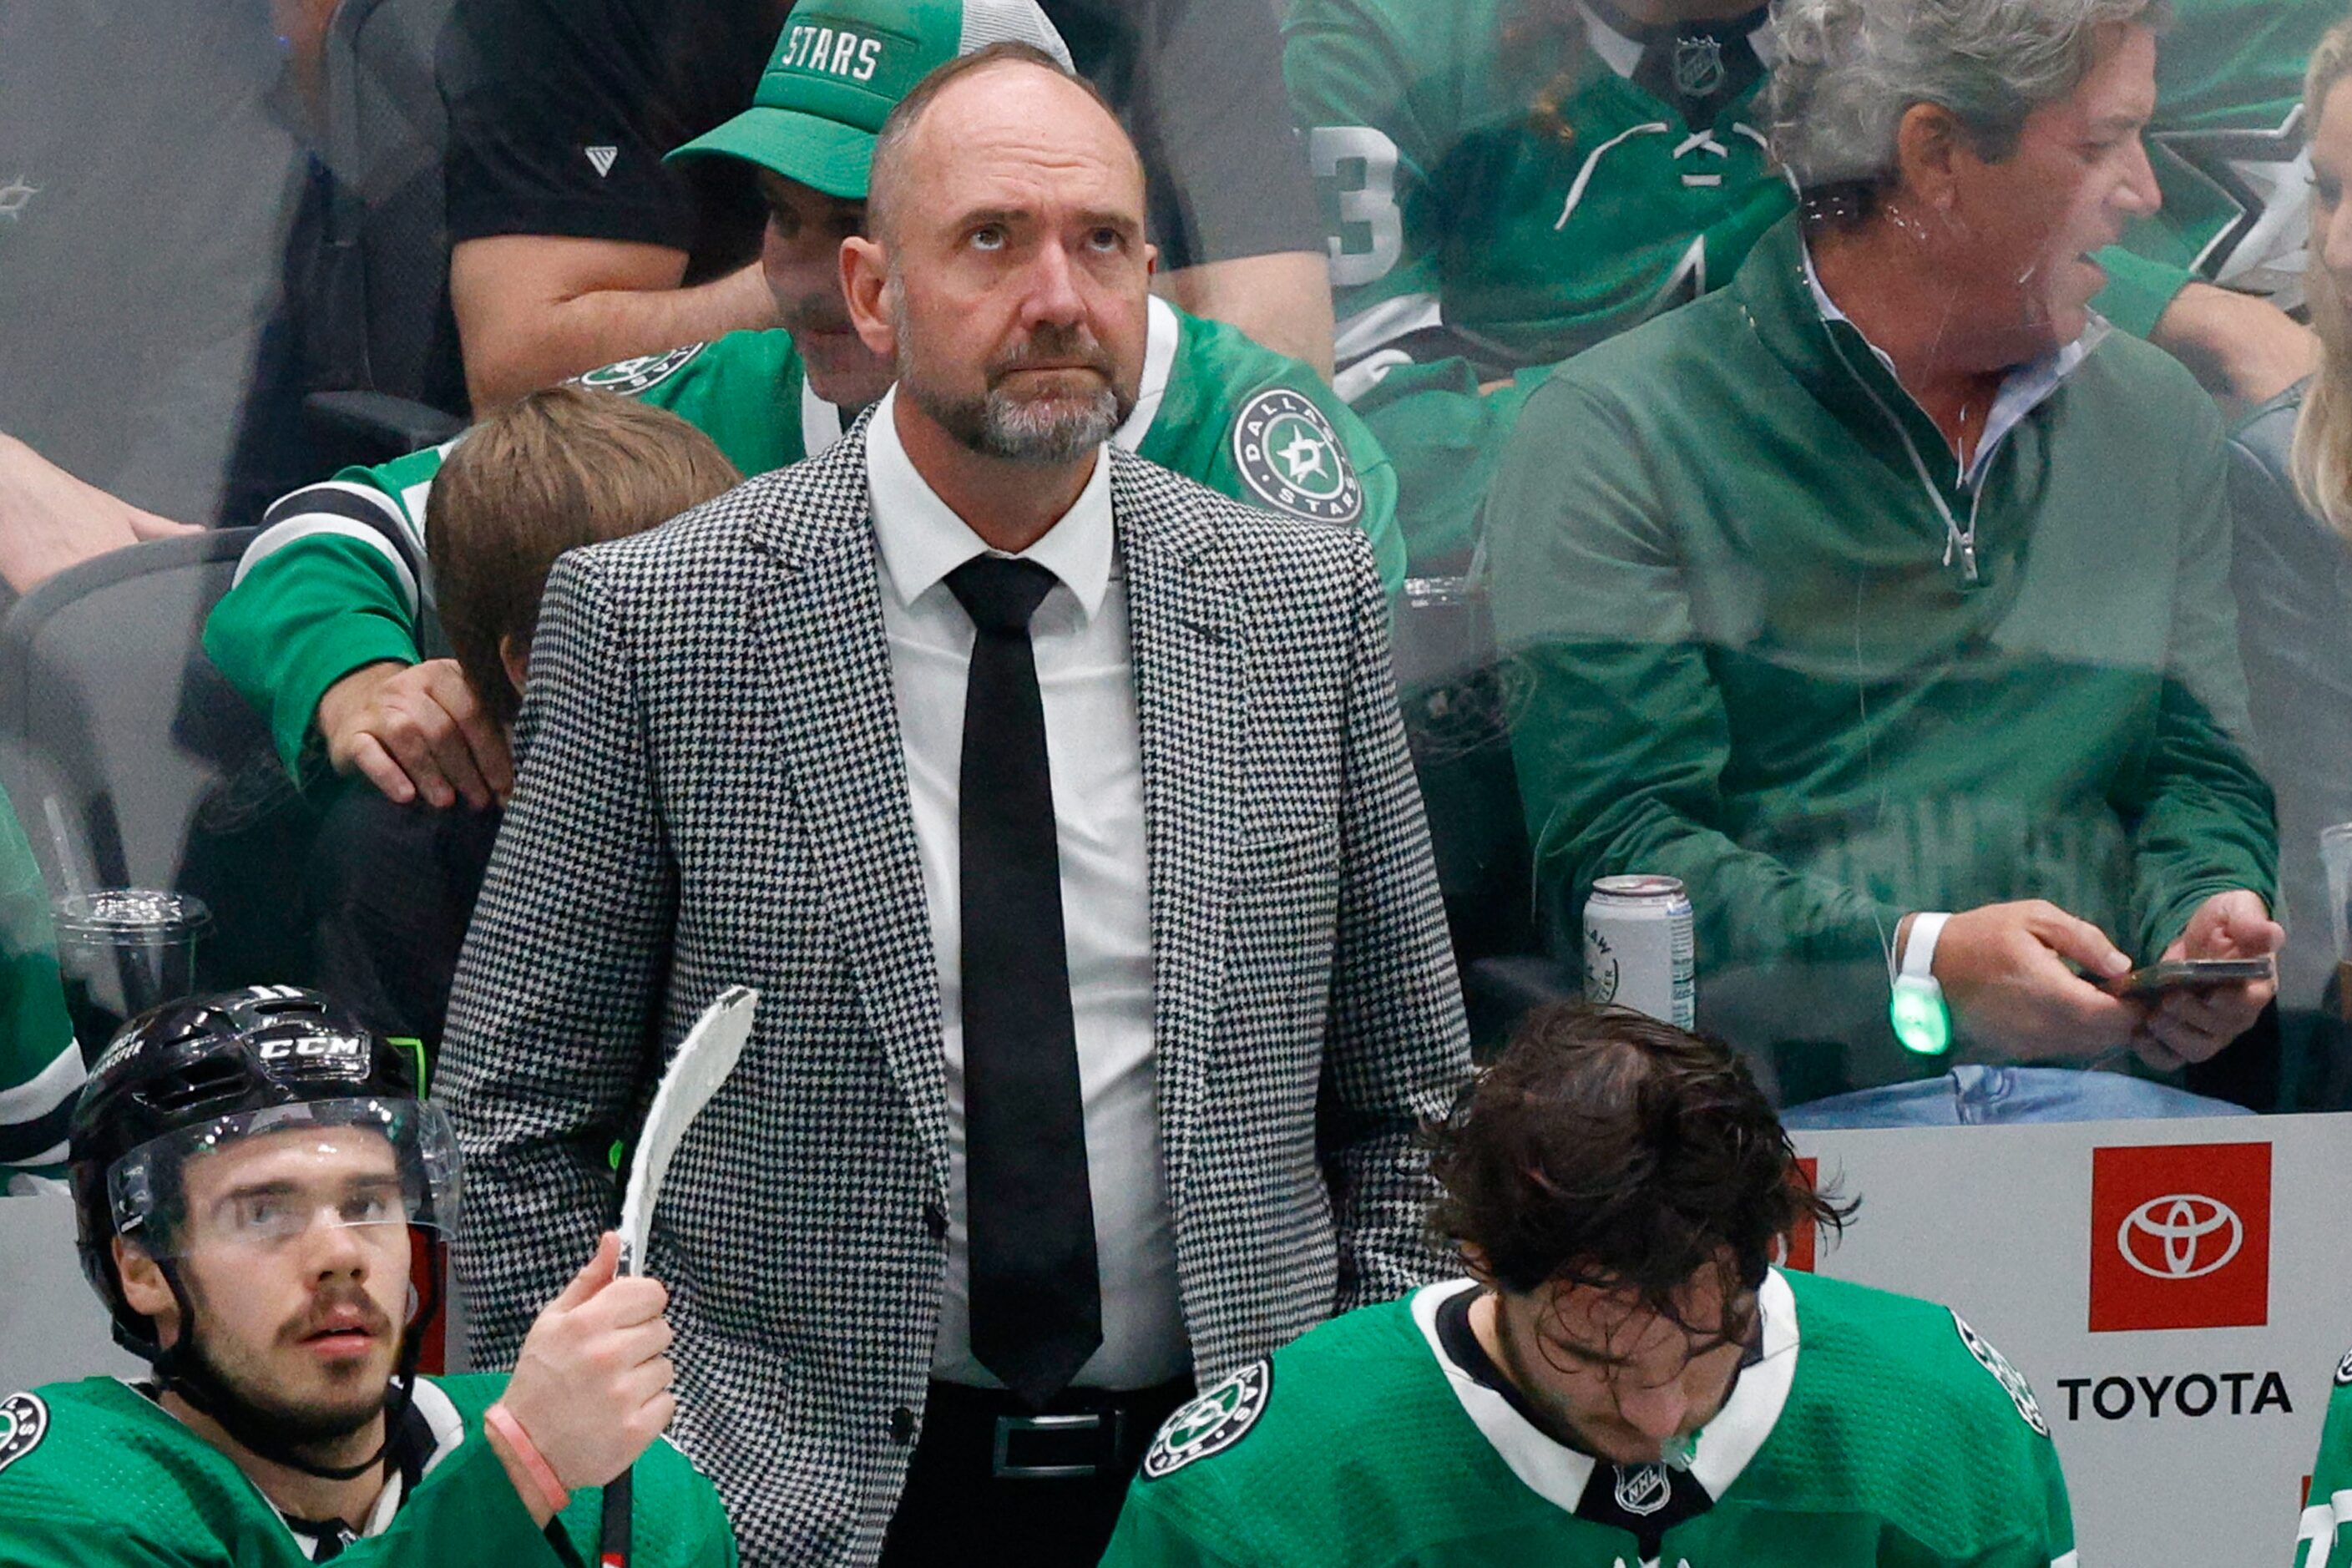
(1047, 432)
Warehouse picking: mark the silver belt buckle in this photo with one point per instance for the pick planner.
(1002, 1467)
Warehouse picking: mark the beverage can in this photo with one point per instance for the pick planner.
(1640, 951)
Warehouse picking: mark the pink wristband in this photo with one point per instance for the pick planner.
(502, 1420)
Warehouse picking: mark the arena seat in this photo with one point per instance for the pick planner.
(1456, 718)
(115, 726)
(384, 339)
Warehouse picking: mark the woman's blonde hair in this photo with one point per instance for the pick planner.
(2322, 457)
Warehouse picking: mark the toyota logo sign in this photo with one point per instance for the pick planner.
(2180, 1235)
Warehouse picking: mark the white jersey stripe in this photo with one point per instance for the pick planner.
(279, 535)
(1160, 334)
(42, 1093)
(336, 496)
(2319, 1532)
(1377, 326)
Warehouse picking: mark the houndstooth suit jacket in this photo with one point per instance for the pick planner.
(714, 793)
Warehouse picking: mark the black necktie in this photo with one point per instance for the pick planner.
(1037, 1301)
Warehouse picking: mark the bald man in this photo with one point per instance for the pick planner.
(1059, 808)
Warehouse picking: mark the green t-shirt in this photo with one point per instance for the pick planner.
(1501, 194)
(339, 578)
(96, 1473)
(1869, 1429)
(2326, 1533)
(40, 1064)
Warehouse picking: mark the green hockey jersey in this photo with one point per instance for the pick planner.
(2326, 1539)
(338, 578)
(1504, 191)
(1502, 195)
(96, 1473)
(1866, 1429)
(40, 1065)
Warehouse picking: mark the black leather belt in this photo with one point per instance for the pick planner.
(1085, 1434)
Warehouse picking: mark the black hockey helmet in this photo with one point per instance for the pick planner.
(196, 1075)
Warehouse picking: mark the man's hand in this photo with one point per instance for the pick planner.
(50, 521)
(2192, 1026)
(2003, 971)
(416, 730)
(592, 1387)
(534, 308)
(2238, 345)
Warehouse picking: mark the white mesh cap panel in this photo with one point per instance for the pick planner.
(987, 22)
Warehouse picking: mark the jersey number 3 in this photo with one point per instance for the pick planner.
(1367, 208)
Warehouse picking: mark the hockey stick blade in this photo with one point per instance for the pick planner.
(704, 1058)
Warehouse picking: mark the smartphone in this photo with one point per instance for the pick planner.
(2187, 975)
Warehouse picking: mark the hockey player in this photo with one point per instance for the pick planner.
(1513, 181)
(323, 623)
(2326, 1534)
(1624, 1379)
(253, 1176)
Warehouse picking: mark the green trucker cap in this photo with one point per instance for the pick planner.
(841, 65)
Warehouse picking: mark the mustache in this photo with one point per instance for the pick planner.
(1051, 346)
(329, 1311)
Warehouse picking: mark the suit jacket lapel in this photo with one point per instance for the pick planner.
(1190, 663)
(817, 622)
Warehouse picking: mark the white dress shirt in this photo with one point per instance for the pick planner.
(1085, 675)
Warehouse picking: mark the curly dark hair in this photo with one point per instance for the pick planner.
(1605, 1147)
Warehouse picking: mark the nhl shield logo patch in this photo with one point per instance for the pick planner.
(1292, 460)
(1211, 1424)
(1644, 1489)
(2012, 1382)
(2344, 1371)
(24, 1422)
(1698, 66)
(630, 377)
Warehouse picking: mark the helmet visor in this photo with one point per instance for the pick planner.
(259, 1180)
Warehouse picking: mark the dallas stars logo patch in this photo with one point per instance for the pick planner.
(1211, 1424)
(2344, 1371)
(24, 1422)
(1292, 460)
(2012, 1382)
(630, 377)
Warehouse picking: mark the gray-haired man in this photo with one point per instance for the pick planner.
(1900, 588)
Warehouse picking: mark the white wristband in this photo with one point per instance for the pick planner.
(1919, 947)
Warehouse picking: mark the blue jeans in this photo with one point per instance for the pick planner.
(1973, 1096)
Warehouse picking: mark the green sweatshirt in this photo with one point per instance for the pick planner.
(1743, 658)
(338, 578)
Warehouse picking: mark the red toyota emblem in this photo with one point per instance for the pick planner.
(2180, 1237)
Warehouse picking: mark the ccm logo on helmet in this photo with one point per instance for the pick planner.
(315, 1048)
